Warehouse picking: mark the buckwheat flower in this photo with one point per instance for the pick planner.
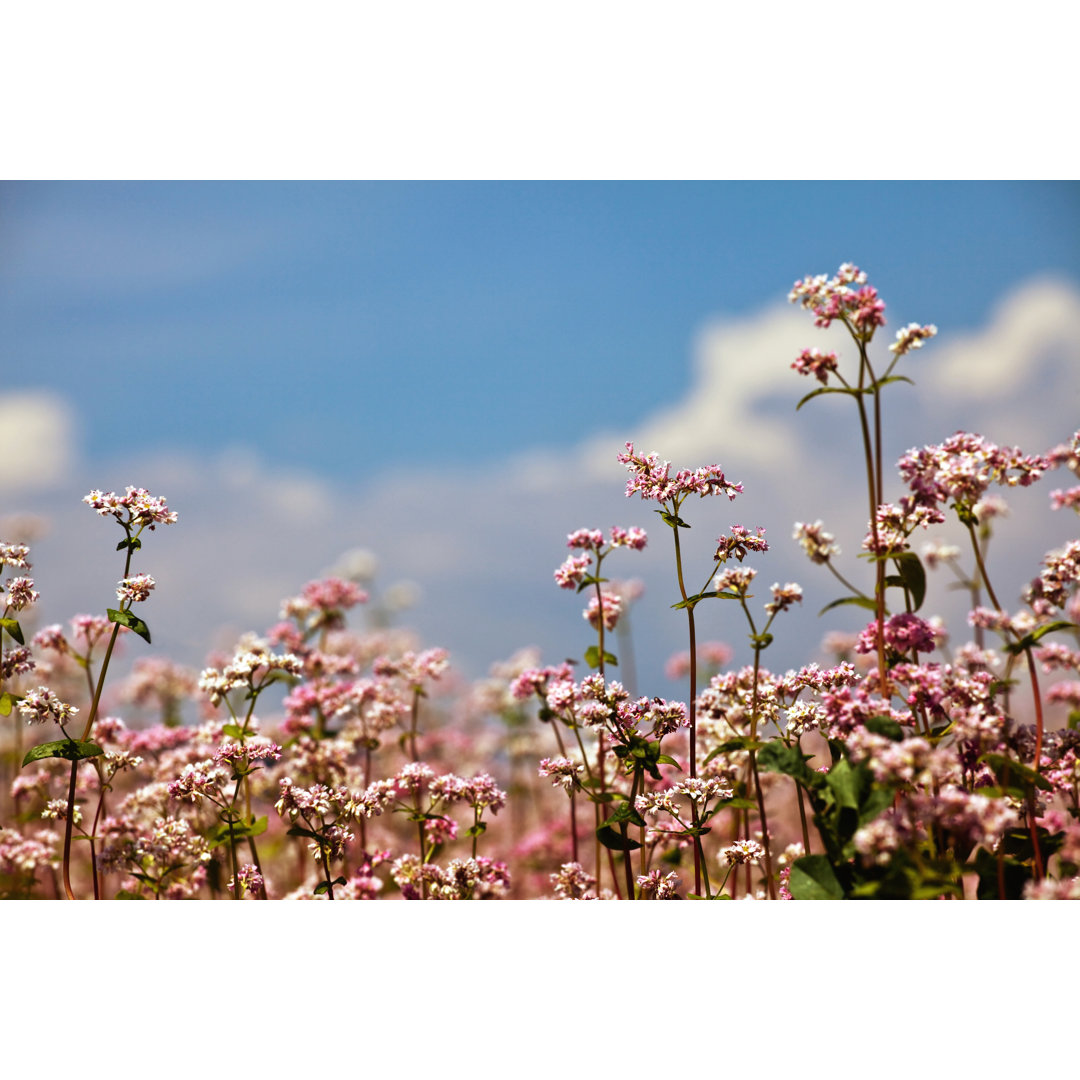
(1061, 570)
(609, 605)
(572, 881)
(903, 632)
(135, 589)
(633, 538)
(739, 543)
(896, 523)
(652, 480)
(911, 337)
(14, 555)
(251, 880)
(440, 830)
(815, 362)
(963, 467)
(877, 841)
(1060, 500)
(136, 507)
(198, 781)
(21, 594)
(934, 554)
(563, 772)
(700, 790)
(804, 716)
(17, 661)
(56, 810)
(591, 539)
(815, 541)
(571, 572)
(658, 885)
(784, 597)
(743, 851)
(88, 630)
(42, 704)
(735, 579)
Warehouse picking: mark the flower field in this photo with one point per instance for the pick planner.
(333, 756)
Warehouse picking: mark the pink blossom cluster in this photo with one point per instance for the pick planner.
(652, 480)
(136, 507)
(834, 298)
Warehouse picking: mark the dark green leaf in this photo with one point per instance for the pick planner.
(14, 629)
(477, 829)
(673, 519)
(610, 838)
(913, 576)
(760, 641)
(775, 756)
(1005, 768)
(134, 543)
(132, 622)
(68, 749)
(885, 725)
(666, 759)
(298, 830)
(812, 878)
(592, 579)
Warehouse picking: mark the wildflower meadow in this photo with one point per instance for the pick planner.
(329, 756)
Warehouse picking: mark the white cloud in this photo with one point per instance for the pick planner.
(38, 440)
(483, 543)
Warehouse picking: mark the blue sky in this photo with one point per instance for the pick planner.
(347, 327)
(422, 368)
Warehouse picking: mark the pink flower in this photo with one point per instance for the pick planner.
(815, 362)
(135, 589)
(136, 507)
(569, 575)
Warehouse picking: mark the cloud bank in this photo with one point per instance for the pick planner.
(482, 543)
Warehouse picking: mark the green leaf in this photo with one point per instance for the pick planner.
(812, 878)
(7, 703)
(1004, 767)
(134, 543)
(477, 829)
(14, 629)
(1028, 640)
(68, 749)
(775, 756)
(592, 579)
(610, 838)
(844, 782)
(913, 576)
(132, 622)
(885, 382)
(235, 730)
(667, 759)
(673, 519)
(298, 830)
(592, 657)
(625, 813)
(850, 391)
(760, 641)
(858, 601)
(885, 725)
